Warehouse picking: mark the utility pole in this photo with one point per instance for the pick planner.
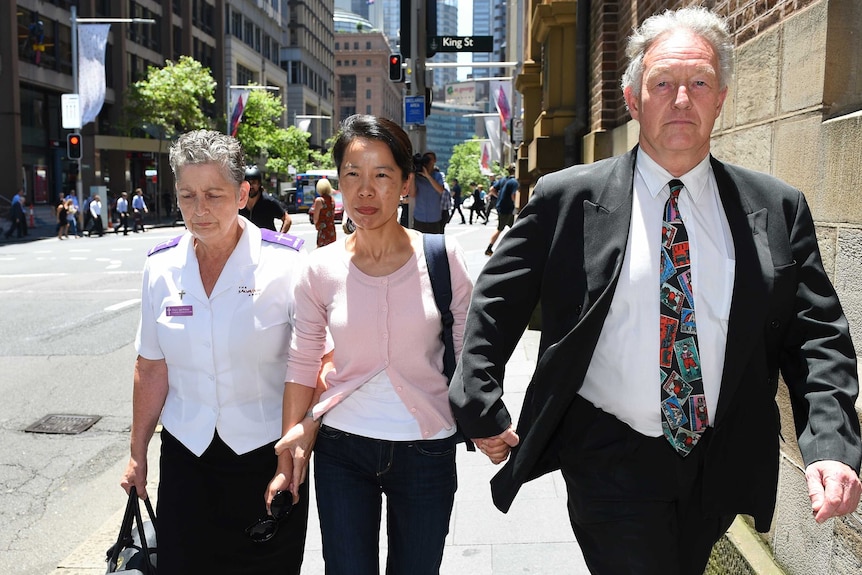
(79, 180)
(418, 50)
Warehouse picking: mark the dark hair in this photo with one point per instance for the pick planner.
(375, 128)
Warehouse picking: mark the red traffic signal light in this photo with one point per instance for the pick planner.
(396, 72)
(73, 146)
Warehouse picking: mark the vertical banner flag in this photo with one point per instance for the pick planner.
(92, 39)
(485, 158)
(238, 98)
(492, 127)
(303, 124)
(502, 97)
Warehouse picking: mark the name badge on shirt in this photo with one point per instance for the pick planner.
(179, 310)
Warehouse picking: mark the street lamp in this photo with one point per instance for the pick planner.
(79, 185)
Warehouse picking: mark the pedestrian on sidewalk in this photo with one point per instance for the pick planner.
(139, 208)
(457, 200)
(225, 289)
(62, 220)
(17, 220)
(427, 189)
(491, 198)
(96, 215)
(507, 188)
(385, 422)
(619, 256)
(123, 214)
(478, 205)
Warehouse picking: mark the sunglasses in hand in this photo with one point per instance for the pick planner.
(265, 528)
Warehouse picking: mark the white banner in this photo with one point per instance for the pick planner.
(303, 124)
(492, 127)
(92, 39)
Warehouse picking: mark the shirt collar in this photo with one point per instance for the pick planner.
(656, 177)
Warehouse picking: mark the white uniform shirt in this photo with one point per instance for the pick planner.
(226, 353)
(623, 377)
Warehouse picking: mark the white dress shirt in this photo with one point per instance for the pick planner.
(623, 378)
(226, 353)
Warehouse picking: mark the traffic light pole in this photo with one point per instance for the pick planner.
(418, 50)
(79, 178)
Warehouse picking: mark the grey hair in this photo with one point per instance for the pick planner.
(699, 20)
(209, 147)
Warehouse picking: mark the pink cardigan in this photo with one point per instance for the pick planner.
(389, 322)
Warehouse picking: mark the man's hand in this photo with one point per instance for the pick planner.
(497, 448)
(833, 488)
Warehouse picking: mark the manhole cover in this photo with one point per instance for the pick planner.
(61, 423)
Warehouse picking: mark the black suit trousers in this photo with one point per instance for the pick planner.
(635, 504)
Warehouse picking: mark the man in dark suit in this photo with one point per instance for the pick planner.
(660, 456)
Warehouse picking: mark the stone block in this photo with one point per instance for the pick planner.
(798, 159)
(757, 63)
(803, 63)
(842, 156)
(848, 279)
(751, 148)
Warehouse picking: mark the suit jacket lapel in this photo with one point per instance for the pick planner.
(752, 282)
(606, 227)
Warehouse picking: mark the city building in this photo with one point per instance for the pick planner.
(362, 70)
(450, 125)
(285, 45)
(308, 58)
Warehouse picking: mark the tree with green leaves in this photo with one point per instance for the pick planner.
(263, 140)
(171, 100)
(464, 164)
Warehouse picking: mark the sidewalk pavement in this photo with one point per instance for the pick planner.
(534, 537)
(44, 225)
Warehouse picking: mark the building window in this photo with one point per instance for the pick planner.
(348, 87)
(337, 46)
(248, 33)
(368, 45)
(236, 24)
(244, 76)
(368, 63)
(367, 94)
(368, 109)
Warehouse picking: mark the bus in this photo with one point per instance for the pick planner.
(306, 186)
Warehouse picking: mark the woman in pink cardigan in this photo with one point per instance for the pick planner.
(385, 426)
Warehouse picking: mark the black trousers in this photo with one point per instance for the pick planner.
(205, 504)
(635, 505)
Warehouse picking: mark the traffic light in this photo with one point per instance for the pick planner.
(73, 146)
(396, 72)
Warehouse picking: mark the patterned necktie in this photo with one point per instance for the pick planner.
(683, 404)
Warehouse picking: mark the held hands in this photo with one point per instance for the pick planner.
(293, 451)
(833, 488)
(497, 448)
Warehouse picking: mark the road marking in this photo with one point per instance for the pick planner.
(123, 304)
(45, 275)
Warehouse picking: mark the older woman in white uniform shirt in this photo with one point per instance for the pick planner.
(216, 317)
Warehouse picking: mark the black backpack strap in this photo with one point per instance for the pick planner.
(441, 282)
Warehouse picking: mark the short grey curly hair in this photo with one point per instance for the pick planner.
(699, 20)
(209, 147)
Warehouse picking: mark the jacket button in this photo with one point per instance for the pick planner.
(775, 324)
(578, 309)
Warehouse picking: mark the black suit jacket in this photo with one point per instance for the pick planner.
(565, 253)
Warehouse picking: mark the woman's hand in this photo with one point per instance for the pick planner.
(294, 452)
(135, 476)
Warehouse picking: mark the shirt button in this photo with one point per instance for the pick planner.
(399, 388)
(386, 363)
(385, 335)
(412, 410)
(384, 309)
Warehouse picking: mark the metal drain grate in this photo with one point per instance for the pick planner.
(62, 423)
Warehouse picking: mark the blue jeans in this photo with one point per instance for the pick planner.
(352, 472)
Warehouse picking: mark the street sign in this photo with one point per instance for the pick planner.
(461, 43)
(70, 107)
(414, 109)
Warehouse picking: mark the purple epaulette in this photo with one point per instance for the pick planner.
(164, 245)
(282, 239)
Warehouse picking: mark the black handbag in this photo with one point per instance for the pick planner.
(133, 553)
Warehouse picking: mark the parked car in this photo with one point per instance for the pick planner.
(339, 208)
